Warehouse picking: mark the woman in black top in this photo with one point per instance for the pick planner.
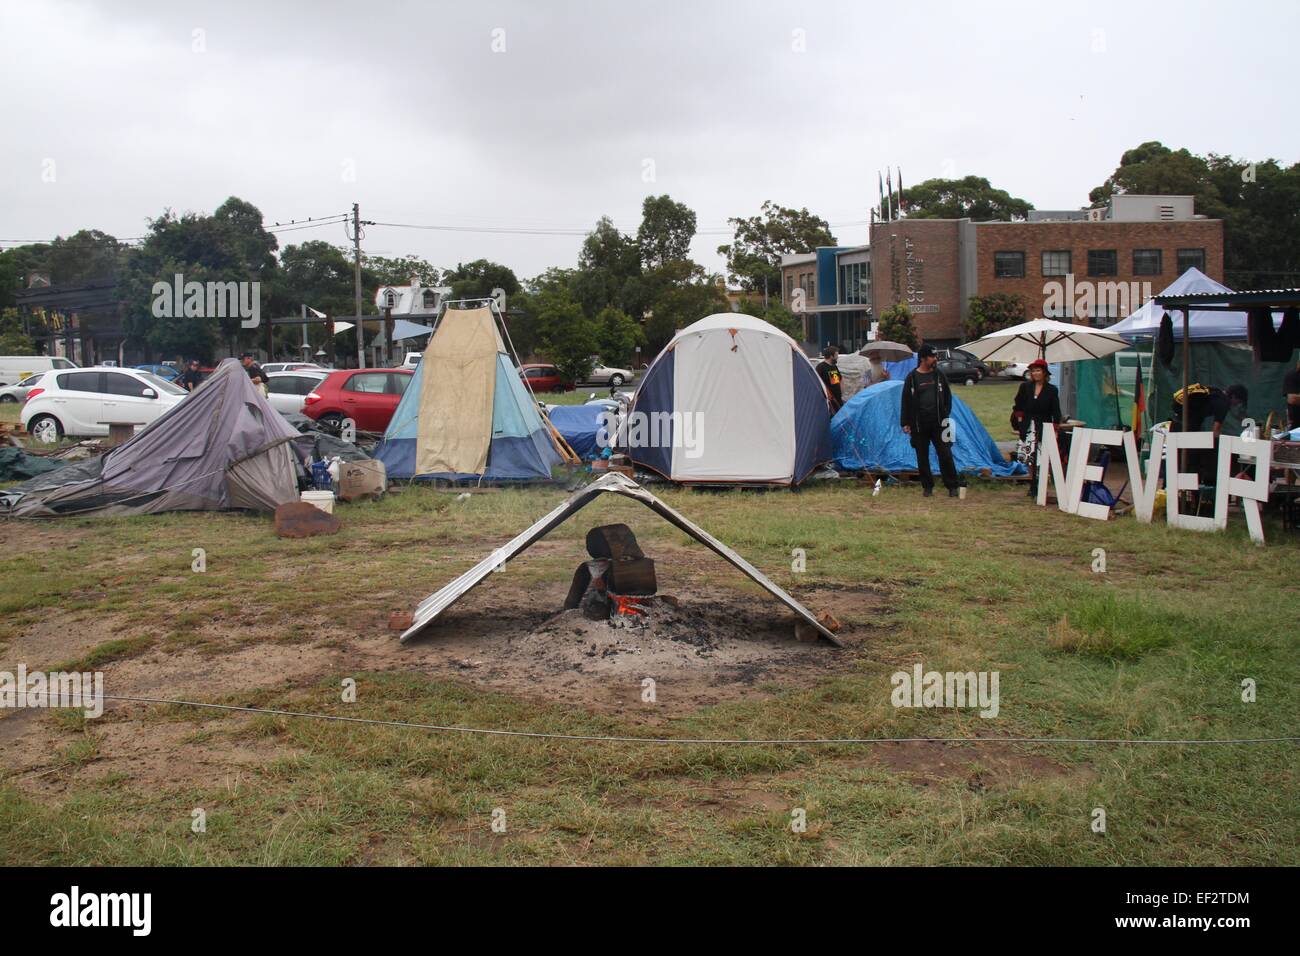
(1037, 402)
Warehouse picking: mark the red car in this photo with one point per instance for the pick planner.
(544, 378)
(368, 396)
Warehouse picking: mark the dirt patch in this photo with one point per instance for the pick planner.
(981, 766)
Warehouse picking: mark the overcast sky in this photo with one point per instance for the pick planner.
(547, 114)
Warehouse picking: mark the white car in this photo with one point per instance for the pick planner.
(82, 402)
(269, 367)
(290, 389)
(1015, 370)
(18, 392)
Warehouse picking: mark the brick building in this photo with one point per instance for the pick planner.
(1092, 266)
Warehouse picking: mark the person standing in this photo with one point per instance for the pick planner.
(925, 415)
(876, 371)
(828, 370)
(1037, 403)
(255, 372)
(191, 378)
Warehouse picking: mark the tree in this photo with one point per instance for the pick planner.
(666, 231)
(13, 340)
(609, 267)
(776, 314)
(478, 279)
(568, 336)
(969, 198)
(1259, 203)
(680, 294)
(84, 256)
(754, 256)
(994, 312)
(619, 335)
(399, 271)
(230, 245)
(896, 325)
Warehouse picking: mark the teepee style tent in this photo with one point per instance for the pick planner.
(466, 414)
(222, 447)
(731, 399)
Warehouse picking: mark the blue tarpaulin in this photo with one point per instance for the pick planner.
(866, 436)
(580, 425)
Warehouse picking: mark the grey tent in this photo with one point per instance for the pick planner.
(223, 446)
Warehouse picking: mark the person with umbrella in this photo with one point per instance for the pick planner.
(1037, 402)
(878, 353)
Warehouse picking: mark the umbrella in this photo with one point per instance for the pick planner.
(886, 351)
(1046, 339)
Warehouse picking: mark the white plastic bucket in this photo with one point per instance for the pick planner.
(324, 500)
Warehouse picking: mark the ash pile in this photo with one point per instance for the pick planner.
(618, 584)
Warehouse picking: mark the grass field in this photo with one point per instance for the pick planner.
(1155, 647)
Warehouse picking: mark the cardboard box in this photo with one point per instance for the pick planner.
(361, 480)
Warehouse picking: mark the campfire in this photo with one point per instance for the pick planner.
(618, 584)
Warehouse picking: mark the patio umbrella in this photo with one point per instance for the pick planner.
(1046, 339)
(886, 351)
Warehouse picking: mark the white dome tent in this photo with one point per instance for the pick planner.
(739, 403)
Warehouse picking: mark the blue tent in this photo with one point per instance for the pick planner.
(580, 425)
(443, 427)
(866, 437)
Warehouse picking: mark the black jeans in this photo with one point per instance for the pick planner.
(923, 436)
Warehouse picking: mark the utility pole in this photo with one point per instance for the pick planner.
(356, 256)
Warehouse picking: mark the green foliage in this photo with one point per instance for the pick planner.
(681, 293)
(969, 198)
(994, 312)
(754, 256)
(13, 340)
(666, 231)
(478, 279)
(1259, 203)
(776, 314)
(896, 325)
(619, 335)
(568, 336)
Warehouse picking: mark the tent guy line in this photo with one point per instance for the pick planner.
(704, 741)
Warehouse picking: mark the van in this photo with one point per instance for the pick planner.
(15, 368)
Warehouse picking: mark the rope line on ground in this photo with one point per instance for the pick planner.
(700, 741)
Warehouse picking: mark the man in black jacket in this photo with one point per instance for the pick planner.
(829, 372)
(925, 415)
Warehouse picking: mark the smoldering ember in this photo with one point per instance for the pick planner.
(647, 435)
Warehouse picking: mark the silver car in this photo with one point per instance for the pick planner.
(288, 390)
(18, 392)
(605, 375)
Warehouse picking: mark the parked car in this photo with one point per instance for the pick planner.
(168, 373)
(1015, 370)
(82, 402)
(15, 368)
(18, 392)
(288, 390)
(368, 396)
(960, 366)
(602, 374)
(544, 378)
(269, 367)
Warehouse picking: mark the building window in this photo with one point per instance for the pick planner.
(789, 289)
(854, 285)
(390, 299)
(1009, 265)
(1103, 262)
(1191, 259)
(430, 299)
(1056, 262)
(1148, 262)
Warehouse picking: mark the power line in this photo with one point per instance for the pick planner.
(723, 741)
(292, 226)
